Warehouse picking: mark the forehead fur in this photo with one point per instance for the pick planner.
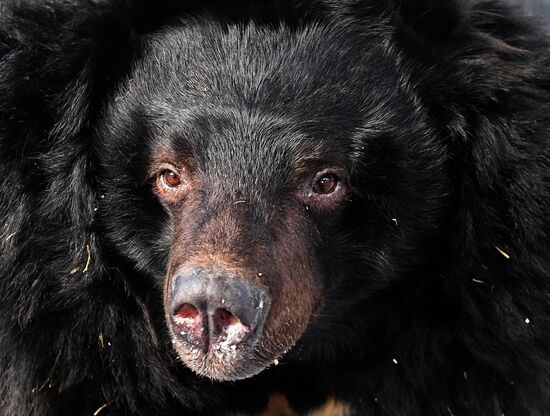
(281, 93)
(317, 70)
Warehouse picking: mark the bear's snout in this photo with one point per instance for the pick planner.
(216, 313)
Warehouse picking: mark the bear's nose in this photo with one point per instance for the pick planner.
(216, 311)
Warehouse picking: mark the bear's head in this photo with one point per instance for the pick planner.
(260, 174)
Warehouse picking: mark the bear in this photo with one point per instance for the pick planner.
(286, 207)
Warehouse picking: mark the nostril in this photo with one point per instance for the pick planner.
(188, 320)
(186, 313)
(224, 318)
(215, 312)
(228, 327)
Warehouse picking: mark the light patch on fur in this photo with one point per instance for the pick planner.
(8, 238)
(278, 405)
(101, 408)
(88, 259)
(504, 254)
(332, 407)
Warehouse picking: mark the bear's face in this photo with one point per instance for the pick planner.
(237, 163)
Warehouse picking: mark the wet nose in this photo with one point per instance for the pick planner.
(216, 310)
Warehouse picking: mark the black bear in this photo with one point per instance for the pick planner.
(279, 207)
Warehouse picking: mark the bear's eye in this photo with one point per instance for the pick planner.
(328, 190)
(170, 179)
(326, 184)
(173, 184)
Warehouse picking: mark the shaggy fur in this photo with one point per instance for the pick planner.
(433, 274)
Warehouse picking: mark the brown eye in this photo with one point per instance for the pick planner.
(171, 179)
(172, 184)
(326, 184)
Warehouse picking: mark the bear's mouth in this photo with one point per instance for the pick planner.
(223, 360)
(225, 353)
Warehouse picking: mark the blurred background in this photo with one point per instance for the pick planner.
(534, 7)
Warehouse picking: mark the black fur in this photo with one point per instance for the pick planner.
(435, 276)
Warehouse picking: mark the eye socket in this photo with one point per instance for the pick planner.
(326, 184)
(173, 184)
(328, 190)
(170, 179)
